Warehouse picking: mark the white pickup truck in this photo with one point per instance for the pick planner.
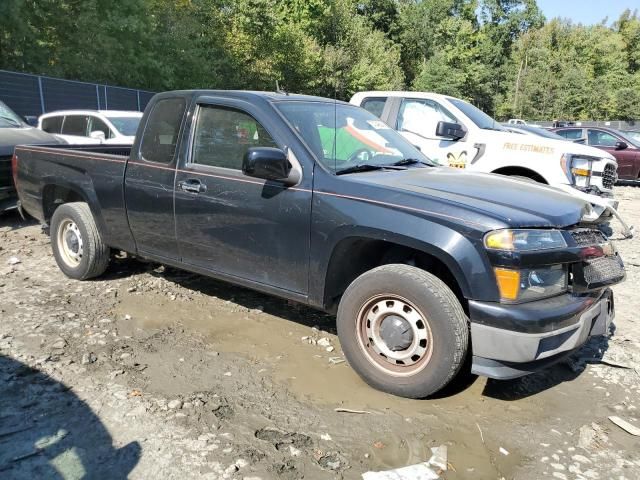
(455, 133)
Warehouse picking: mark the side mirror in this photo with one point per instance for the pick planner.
(454, 131)
(97, 135)
(621, 145)
(266, 163)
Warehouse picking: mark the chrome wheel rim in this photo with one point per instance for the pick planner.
(70, 243)
(394, 335)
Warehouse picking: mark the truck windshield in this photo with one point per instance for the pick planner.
(344, 136)
(8, 119)
(127, 126)
(477, 116)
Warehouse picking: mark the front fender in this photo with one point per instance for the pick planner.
(457, 250)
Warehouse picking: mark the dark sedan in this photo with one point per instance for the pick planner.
(624, 147)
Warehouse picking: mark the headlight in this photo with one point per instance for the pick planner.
(532, 283)
(577, 169)
(524, 240)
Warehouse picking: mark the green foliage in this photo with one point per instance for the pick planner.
(500, 54)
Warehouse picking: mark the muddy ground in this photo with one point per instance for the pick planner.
(153, 373)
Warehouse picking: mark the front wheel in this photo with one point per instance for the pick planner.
(403, 330)
(76, 242)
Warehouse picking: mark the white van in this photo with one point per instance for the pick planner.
(455, 133)
(92, 127)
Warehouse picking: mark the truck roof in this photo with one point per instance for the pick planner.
(253, 95)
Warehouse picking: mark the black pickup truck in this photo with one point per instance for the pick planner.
(321, 203)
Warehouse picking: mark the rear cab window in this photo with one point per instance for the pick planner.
(160, 137)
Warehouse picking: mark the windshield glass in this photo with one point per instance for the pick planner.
(127, 126)
(635, 136)
(343, 136)
(8, 119)
(630, 139)
(477, 116)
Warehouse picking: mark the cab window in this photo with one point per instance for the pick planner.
(421, 117)
(160, 136)
(97, 125)
(374, 105)
(223, 136)
(599, 138)
(52, 124)
(571, 133)
(75, 125)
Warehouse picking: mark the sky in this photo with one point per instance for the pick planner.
(587, 11)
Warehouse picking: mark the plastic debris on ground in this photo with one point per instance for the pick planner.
(422, 471)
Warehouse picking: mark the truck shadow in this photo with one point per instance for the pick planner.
(46, 431)
(566, 370)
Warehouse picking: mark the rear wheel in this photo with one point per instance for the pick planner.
(76, 242)
(403, 330)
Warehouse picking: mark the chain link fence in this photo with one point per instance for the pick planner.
(33, 95)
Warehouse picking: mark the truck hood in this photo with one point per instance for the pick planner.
(515, 203)
(559, 147)
(10, 137)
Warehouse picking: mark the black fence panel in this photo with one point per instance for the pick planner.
(34, 95)
(121, 98)
(65, 95)
(21, 92)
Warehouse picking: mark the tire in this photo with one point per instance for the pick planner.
(437, 350)
(77, 244)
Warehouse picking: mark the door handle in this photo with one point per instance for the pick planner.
(192, 186)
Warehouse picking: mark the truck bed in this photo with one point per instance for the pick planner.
(93, 171)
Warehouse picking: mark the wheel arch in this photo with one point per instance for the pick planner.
(450, 256)
(518, 171)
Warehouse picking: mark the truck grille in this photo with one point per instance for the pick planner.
(6, 179)
(603, 270)
(609, 176)
(585, 237)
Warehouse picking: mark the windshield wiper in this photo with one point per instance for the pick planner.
(361, 167)
(409, 161)
(495, 129)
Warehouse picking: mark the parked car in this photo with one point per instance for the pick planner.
(457, 134)
(320, 202)
(92, 127)
(535, 131)
(14, 131)
(623, 147)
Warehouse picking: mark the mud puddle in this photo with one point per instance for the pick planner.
(396, 432)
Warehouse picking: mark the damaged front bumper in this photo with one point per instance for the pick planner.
(510, 341)
(603, 208)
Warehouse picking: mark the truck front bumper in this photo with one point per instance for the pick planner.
(510, 341)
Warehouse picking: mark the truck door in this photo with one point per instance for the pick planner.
(232, 224)
(418, 119)
(149, 180)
